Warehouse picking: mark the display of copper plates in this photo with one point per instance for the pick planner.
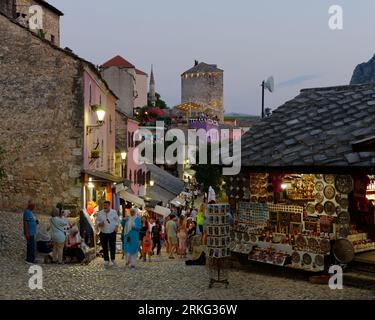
(329, 178)
(319, 197)
(296, 258)
(329, 192)
(270, 199)
(301, 241)
(325, 246)
(344, 183)
(318, 176)
(239, 236)
(329, 208)
(262, 199)
(343, 217)
(253, 238)
(343, 250)
(319, 260)
(246, 237)
(344, 203)
(319, 208)
(313, 244)
(319, 186)
(263, 191)
(310, 208)
(306, 258)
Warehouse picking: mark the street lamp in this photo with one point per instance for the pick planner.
(152, 182)
(100, 114)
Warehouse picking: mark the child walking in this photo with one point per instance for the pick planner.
(147, 246)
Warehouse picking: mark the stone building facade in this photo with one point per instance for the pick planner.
(8, 8)
(44, 124)
(51, 18)
(204, 85)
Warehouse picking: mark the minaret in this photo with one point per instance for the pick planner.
(152, 92)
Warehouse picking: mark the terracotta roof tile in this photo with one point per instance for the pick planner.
(118, 61)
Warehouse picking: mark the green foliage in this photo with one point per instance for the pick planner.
(159, 102)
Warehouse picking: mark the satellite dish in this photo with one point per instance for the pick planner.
(270, 84)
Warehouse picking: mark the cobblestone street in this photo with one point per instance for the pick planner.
(163, 279)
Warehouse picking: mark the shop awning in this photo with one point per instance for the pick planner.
(127, 196)
(178, 202)
(104, 176)
(162, 211)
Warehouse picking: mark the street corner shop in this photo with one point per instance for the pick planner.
(303, 198)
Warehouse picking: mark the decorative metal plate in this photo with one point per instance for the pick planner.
(246, 237)
(232, 235)
(319, 260)
(310, 208)
(306, 258)
(325, 246)
(319, 197)
(270, 199)
(254, 199)
(329, 192)
(329, 178)
(338, 197)
(344, 183)
(344, 203)
(262, 199)
(313, 244)
(253, 238)
(319, 186)
(301, 241)
(319, 208)
(329, 208)
(318, 176)
(239, 236)
(263, 191)
(296, 258)
(343, 218)
(343, 250)
(270, 188)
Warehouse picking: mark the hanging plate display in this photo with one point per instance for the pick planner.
(329, 192)
(319, 260)
(246, 237)
(313, 244)
(325, 246)
(343, 250)
(310, 208)
(329, 178)
(343, 218)
(318, 176)
(296, 258)
(319, 186)
(344, 203)
(329, 208)
(239, 236)
(319, 197)
(270, 199)
(254, 199)
(253, 238)
(301, 241)
(319, 208)
(344, 183)
(306, 258)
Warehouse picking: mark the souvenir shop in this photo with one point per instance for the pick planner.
(305, 221)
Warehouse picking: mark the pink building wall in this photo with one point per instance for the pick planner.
(131, 166)
(95, 92)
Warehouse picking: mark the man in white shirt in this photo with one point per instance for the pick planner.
(108, 220)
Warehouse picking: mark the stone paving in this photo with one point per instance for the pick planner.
(160, 279)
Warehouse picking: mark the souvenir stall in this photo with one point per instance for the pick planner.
(304, 221)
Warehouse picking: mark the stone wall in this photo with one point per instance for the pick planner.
(41, 107)
(8, 7)
(207, 89)
(51, 21)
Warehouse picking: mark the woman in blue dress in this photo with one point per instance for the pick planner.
(131, 225)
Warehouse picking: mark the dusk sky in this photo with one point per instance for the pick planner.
(249, 40)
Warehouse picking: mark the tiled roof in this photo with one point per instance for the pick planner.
(203, 67)
(317, 128)
(137, 71)
(165, 180)
(118, 61)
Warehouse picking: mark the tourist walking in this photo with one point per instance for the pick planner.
(156, 237)
(142, 233)
(171, 229)
(147, 246)
(182, 236)
(29, 230)
(192, 231)
(58, 234)
(107, 222)
(132, 226)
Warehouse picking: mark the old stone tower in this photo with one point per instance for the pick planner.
(203, 85)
